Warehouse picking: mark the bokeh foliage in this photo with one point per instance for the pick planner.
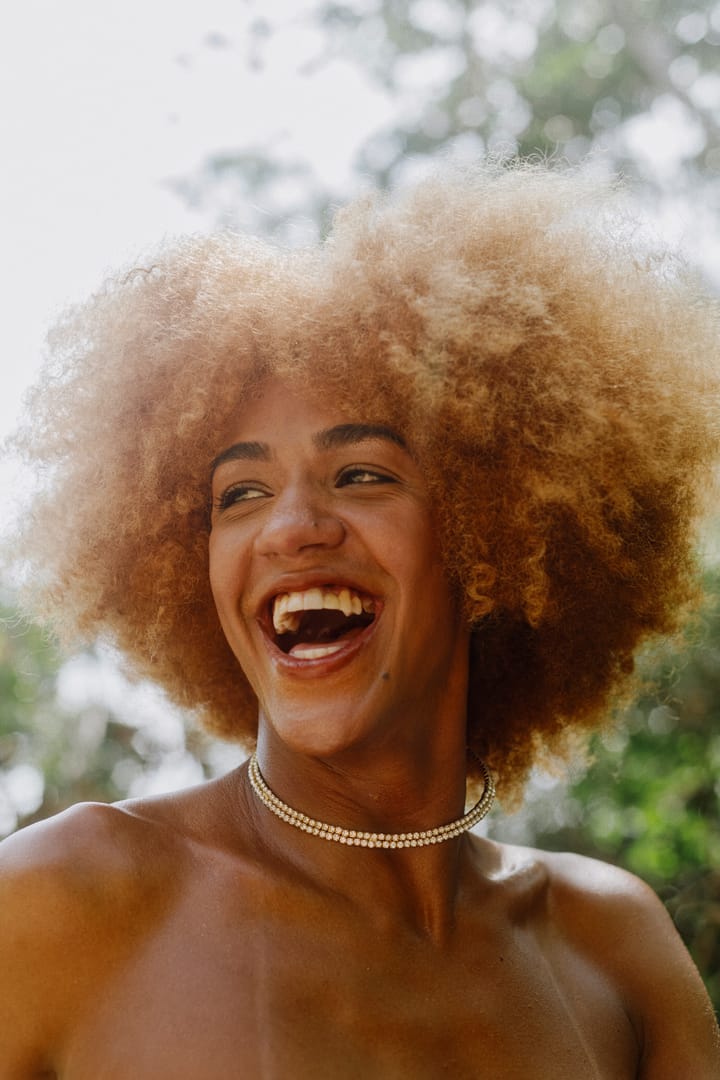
(554, 78)
(48, 757)
(55, 752)
(651, 799)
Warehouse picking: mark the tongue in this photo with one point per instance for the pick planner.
(325, 648)
(313, 652)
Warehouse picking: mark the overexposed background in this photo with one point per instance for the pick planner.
(104, 106)
(108, 111)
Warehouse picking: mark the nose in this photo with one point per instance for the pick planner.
(299, 520)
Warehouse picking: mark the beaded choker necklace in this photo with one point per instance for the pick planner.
(354, 837)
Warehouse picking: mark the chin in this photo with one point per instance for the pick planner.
(316, 731)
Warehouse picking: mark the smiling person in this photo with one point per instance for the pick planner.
(398, 512)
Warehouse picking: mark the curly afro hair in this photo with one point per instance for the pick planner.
(554, 375)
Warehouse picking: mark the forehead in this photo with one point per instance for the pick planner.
(278, 414)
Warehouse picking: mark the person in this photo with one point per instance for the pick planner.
(403, 507)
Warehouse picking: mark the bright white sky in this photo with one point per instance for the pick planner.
(101, 103)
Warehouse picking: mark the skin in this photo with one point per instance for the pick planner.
(197, 935)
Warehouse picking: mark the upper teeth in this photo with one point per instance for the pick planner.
(286, 607)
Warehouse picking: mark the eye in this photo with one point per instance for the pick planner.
(358, 474)
(237, 493)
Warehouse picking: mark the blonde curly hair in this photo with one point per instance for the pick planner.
(555, 378)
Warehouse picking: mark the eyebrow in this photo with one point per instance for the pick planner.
(345, 434)
(241, 451)
(330, 439)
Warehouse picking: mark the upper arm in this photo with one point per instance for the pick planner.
(53, 891)
(679, 1032)
(30, 971)
(624, 928)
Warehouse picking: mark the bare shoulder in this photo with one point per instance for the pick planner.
(58, 880)
(72, 839)
(94, 859)
(622, 927)
(78, 862)
(78, 893)
(581, 889)
(93, 850)
(112, 849)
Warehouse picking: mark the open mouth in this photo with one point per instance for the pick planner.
(312, 623)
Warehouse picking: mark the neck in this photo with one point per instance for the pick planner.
(388, 841)
(402, 791)
(390, 785)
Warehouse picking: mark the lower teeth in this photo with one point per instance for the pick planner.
(313, 652)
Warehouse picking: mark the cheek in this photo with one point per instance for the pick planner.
(225, 572)
(422, 552)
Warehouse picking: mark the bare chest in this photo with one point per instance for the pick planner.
(272, 999)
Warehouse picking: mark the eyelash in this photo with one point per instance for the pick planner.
(348, 477)
(234, 494)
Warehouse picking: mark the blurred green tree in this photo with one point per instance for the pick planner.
(651, 799)
(634, 84)
(54, 753)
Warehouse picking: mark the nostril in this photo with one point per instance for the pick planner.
(288, 532)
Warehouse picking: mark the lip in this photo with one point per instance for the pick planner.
(322, 665)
